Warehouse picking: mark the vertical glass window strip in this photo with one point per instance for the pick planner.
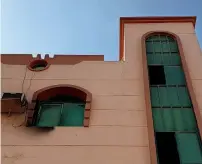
(170, 101)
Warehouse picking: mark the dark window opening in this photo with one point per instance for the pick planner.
(66, 98)
(167, 148)
(39, 65)
(156, 75)
(11, 95)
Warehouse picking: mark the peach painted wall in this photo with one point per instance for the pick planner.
(117, 132)
(118, 127)
(190, 44)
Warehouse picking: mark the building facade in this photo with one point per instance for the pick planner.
(144, 109)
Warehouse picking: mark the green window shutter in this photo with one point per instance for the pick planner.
(184, 97)
(173, 96)
(154, 38)
(72, 115)
(157, 47)
(175, 59)
(164, 58)
(173, 47)
(154, 97)
(189, 119)
(165, 47)
(169, 120)
(189, 148)
(163, 95)
(163, 38)
(49, 115)
(154, 59)
(174, 75)
(149, 47)
(169, 97)
(158, 120)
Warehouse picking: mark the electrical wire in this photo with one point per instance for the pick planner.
(25, 93)
(30, 82)
(23, 81)
(25, 118)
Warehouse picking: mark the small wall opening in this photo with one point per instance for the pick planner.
(38, 65)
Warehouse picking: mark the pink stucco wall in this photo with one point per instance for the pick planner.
(118, 126)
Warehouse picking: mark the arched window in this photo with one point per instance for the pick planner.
(175, 126)
(62, 105)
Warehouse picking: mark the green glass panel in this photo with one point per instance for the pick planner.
(175, 59)
(149, 47)
(169, 121)
(49, 115)
(154, 59)
(170, 38)
(72, 115)
(154, 96)
(184, 97)
(179, 123)
(157, 47)
(174, 75)
(154, 38)
(173, 119)
(170, 97)
(163, 58)
(163, 38)
(173, 47)
(158, 120)
(166, 58)
(189, 148)
(165, 47)
(163, 94)
(189, 119)
(173, 97)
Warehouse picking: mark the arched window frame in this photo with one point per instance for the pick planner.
(72, 90)
(150, 125)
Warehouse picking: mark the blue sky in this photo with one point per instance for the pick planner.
(80, 26)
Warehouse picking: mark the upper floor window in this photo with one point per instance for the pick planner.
(62, 105)
(68, 111)
(175, 125)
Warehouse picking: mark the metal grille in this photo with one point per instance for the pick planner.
(163, 51)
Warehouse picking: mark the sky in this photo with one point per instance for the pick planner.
(83, 27)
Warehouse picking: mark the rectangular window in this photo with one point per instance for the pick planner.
(63, 114)
(167, 148)
(173, 117)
